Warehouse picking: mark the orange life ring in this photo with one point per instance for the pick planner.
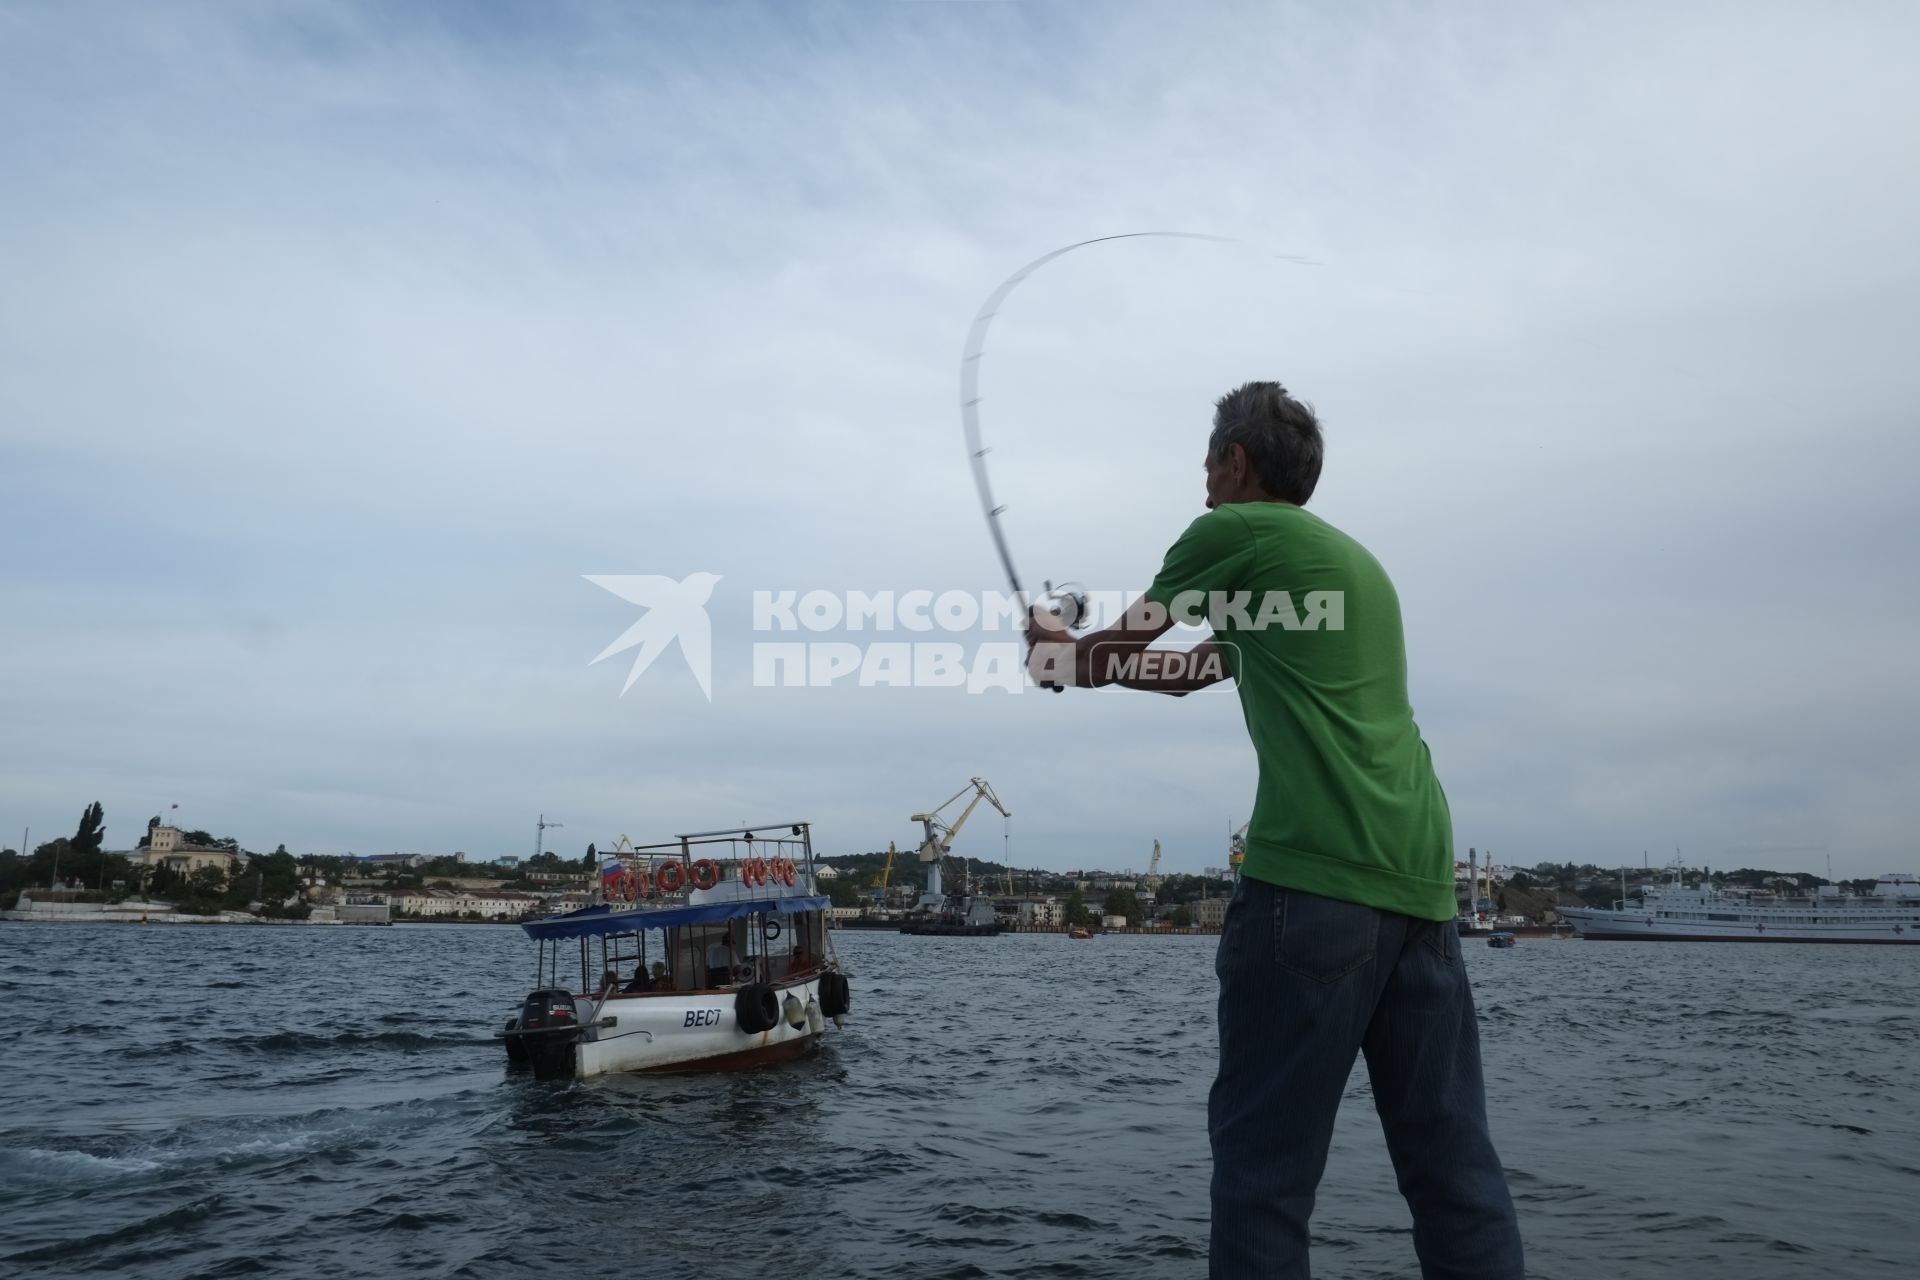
(787, 875)
(706, 874)
(670, 877)
(629, 886)
(753, 872)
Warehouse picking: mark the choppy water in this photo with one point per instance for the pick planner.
(317, 1102)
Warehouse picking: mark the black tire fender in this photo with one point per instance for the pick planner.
(756, 1008)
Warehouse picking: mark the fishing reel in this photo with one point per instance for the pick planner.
(1067, 602)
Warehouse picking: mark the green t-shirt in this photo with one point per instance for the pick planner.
(1348, 805)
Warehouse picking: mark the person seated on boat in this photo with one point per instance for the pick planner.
(662, 979)
(720, 961)
(640, 981)
(799, 961)
(609, 981)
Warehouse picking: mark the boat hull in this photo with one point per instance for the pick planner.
(686, 1031)
(1597, 925)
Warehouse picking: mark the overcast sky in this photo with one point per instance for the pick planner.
(337, 344)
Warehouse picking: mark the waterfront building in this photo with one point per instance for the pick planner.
(1209, 913)
(1042, 911)
(444, 903)
(168, 847)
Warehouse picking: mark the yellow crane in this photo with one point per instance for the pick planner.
(939, 836)
(1237, 848)
(886, 872)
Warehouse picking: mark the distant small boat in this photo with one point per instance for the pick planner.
(1502, 941)
(1079, 932)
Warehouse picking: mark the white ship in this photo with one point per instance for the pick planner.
(1675, 913)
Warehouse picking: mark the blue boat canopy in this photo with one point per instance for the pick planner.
(591, 922)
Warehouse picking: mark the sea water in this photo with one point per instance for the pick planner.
(213, 1101)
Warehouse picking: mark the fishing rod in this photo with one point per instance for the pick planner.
(1068, 601)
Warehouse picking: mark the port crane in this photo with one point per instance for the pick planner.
(940, 836)
(540, 830)
(886, 872)
(1153, 871)
(1237, 848)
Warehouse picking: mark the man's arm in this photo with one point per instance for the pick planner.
(1121, 654)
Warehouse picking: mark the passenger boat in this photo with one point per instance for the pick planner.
(1502, 940)
(1079, 932)
(709, 952)
(1675, 913)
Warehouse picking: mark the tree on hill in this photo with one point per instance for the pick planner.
(1182, 916)
(202, 892)
(89, 835)
(1601, 894)
(164, 882)
(75, 859)
(1123, 902)
(1076, 908)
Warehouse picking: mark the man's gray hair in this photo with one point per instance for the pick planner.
(1280, 434)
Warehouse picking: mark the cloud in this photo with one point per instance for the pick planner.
(339, 343)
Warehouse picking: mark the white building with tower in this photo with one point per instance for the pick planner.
(168, 847)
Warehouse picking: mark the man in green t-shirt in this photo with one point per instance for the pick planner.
(1340, 937)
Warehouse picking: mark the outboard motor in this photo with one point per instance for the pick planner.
(548, 1029)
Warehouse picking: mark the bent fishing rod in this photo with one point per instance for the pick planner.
(1068, 602)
